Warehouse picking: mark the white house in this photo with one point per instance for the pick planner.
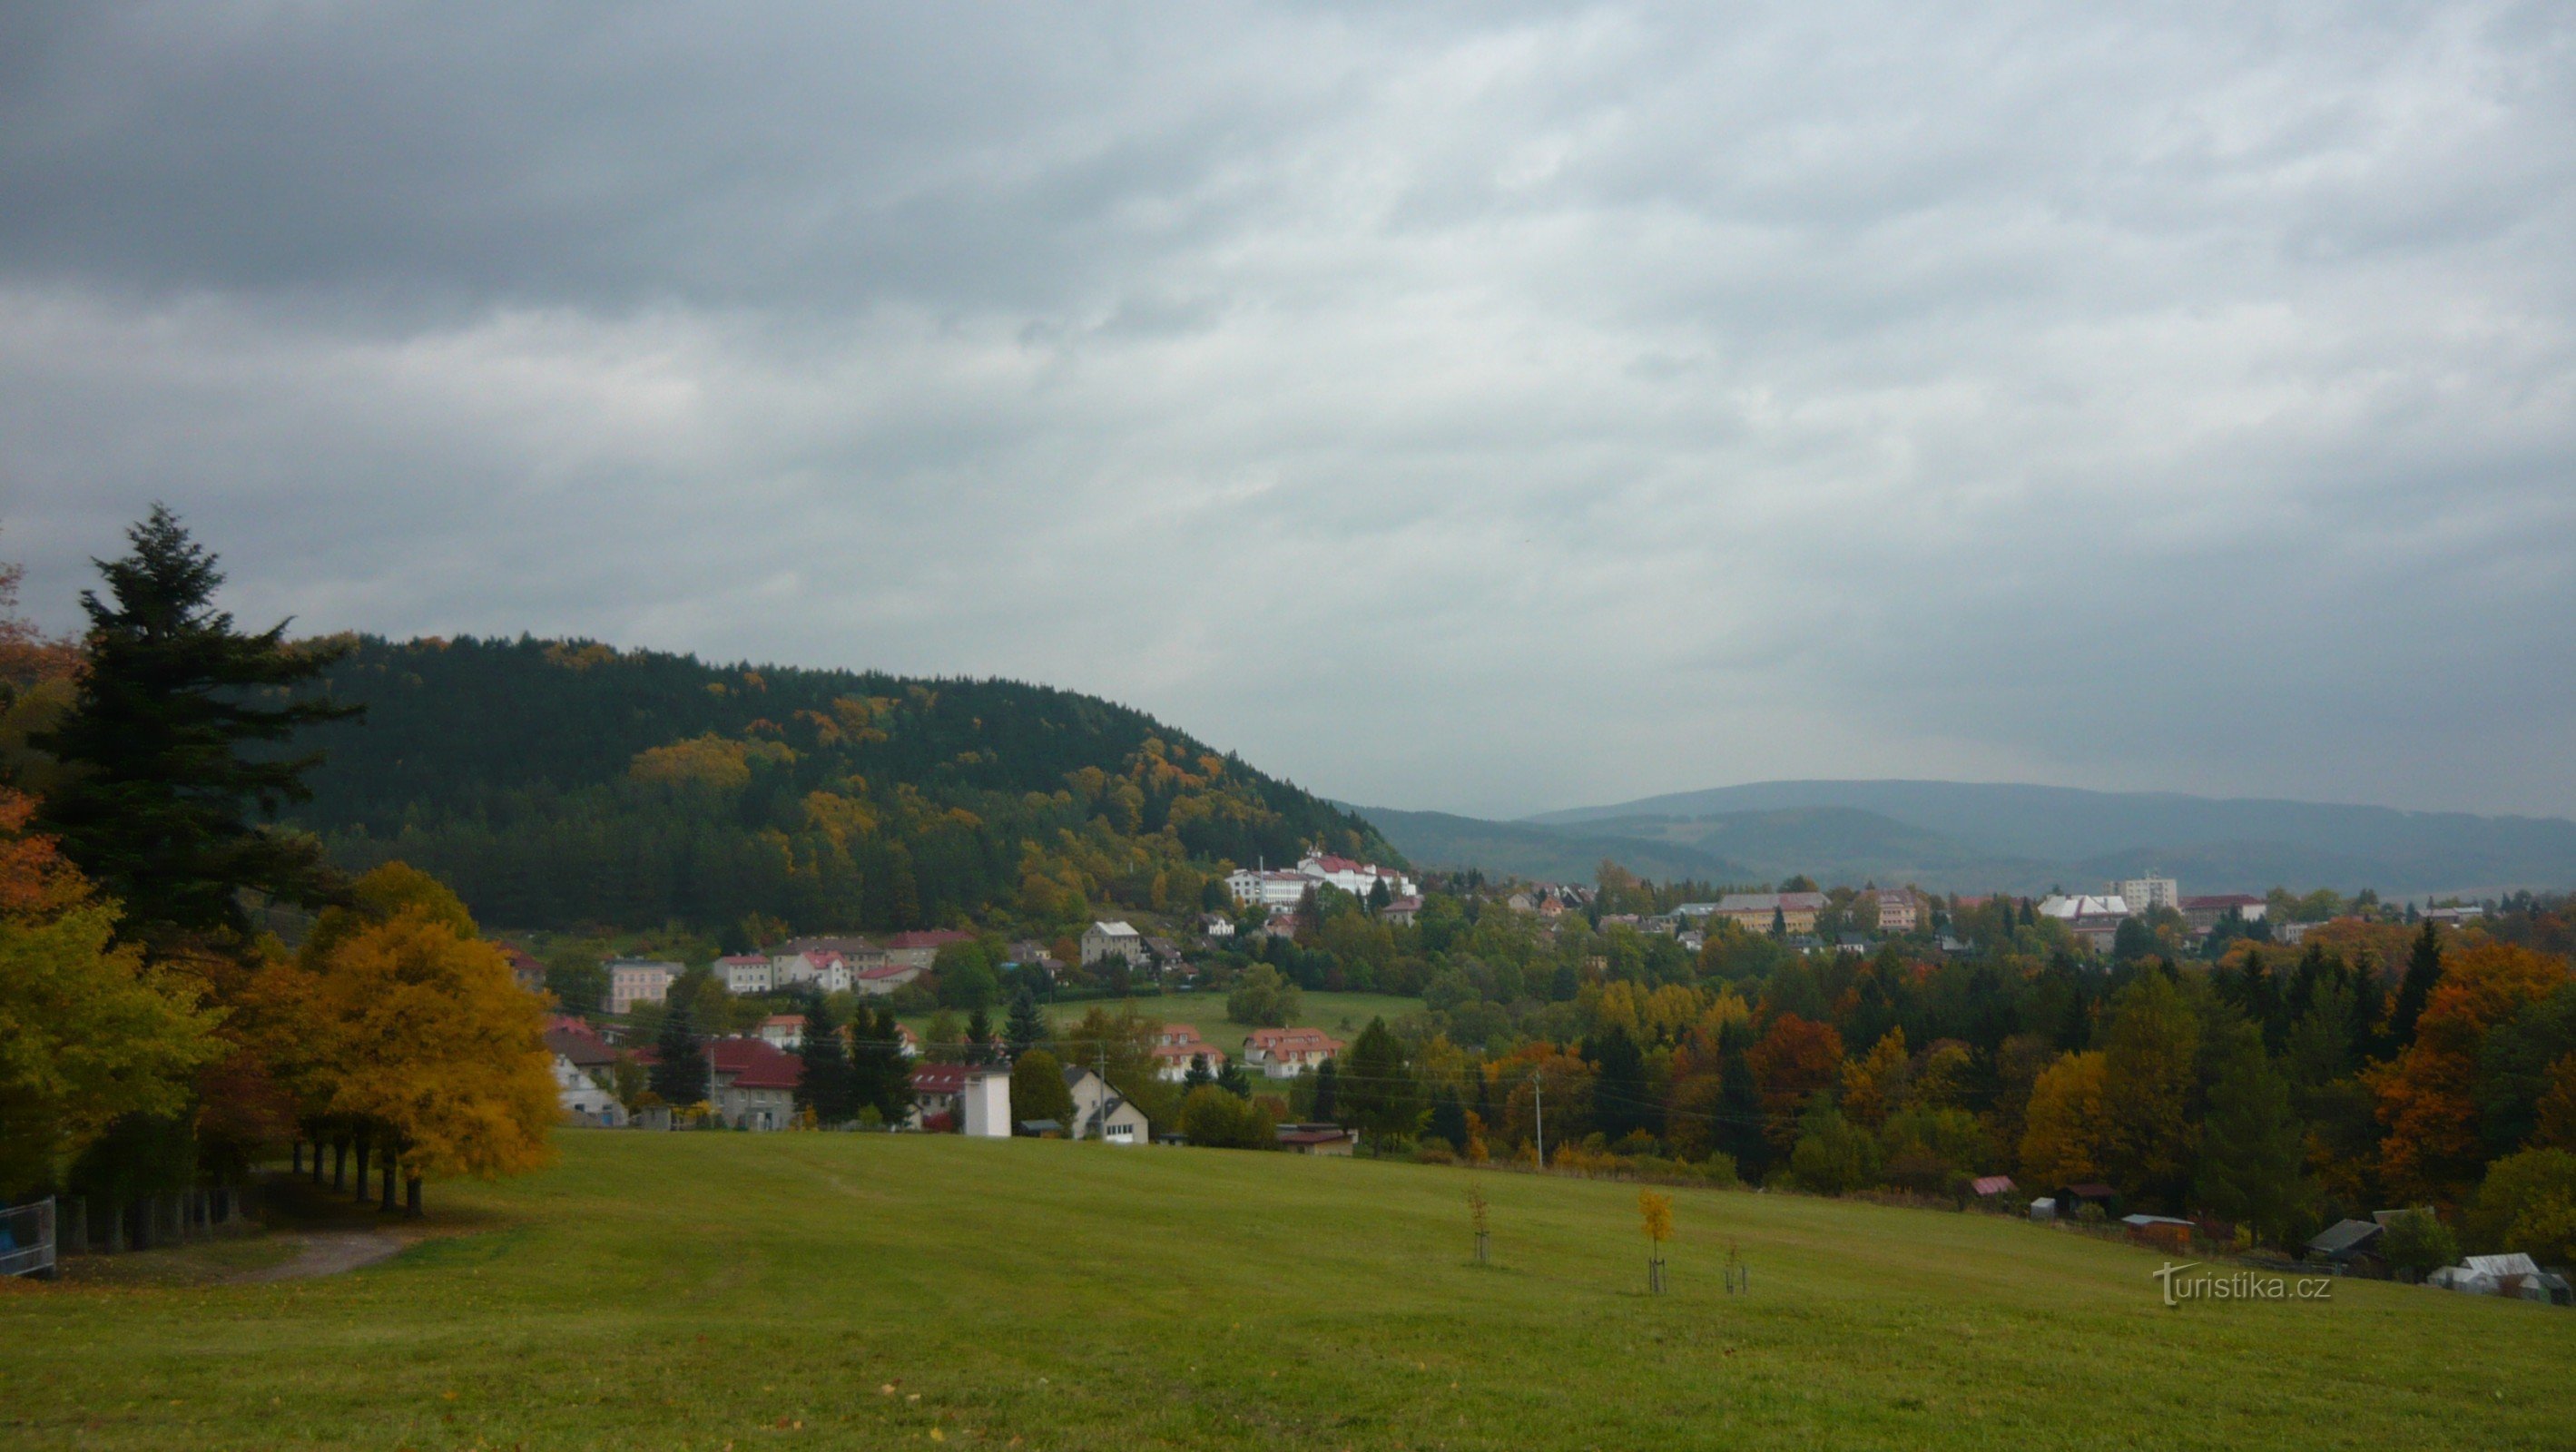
(754, 1083)
(883, 979)
(1215, 925)
(1282, 1053)
(783, 1031)
(1355, 878)
(1102, 940)
(2083, 905)
(1899, 910)
(746, 973)
(828, 971)
(637, 980)
(1275, 889)
(1176, 1046)
(1101, 1113)
(969, 1099)
(582, 1099)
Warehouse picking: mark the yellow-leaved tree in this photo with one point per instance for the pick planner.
(419, 1036)
(1874, 1084)
(2068, 1125)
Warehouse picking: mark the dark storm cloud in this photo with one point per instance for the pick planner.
(1465, 407)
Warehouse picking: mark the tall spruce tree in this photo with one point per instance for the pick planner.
(1027, 1027)
(172, 746)
(2423, 971)
(680, 1074)
(1378, 1093)
(1622, 1104)
(883, 1074)
(1328, 1093)
(979, 1037)
(828, 1087)
(1739, 1105)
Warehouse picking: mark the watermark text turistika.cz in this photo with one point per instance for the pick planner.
(2236, 1286)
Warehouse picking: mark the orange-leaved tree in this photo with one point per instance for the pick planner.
(2427, 1094)
(1795, 1058)
(1875, 1082)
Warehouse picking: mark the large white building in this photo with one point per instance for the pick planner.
(1282, 887)
(635, 980)
(2144, 893)
(2067, 909)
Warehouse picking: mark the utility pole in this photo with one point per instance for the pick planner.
(1538, 1099)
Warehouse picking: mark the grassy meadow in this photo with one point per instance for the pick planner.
(806, 1290)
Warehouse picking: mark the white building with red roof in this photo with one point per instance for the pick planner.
(1284, 1053)
(969, 1099)
(1176, 1046)
(747, 973)
(919, 950)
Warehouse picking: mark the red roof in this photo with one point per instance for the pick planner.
(933, 938)
(756, 1064)
(946, 1078)
(573, 1039)
(743, 960)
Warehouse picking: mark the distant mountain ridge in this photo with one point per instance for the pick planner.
(1967, 836)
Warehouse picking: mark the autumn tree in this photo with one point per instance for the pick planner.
(1262, 998)
(1794, 1060)
(1874, 1083)
(2427, 1095)
(89, 1030)
(2528, 1203)
(2067, 1125)
(425, 1037)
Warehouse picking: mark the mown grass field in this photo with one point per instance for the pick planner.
(803, 1290)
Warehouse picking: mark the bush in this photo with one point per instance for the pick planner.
(1214, 1119)
(1434, 1152)
(2417, 1243)
(2528, 1203)
(1834, 1156)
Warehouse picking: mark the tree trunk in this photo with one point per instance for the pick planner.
(299, 1156)
(388, 1204)
(363, 1147)
(339, 1165)
(115, 1228)
(411, 1197)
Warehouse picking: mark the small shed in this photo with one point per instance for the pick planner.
(2071, 1199)
(1990, 1187)
(2350, 1243)
(2163, 1231)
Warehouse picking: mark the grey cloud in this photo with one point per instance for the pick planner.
(1474, 408)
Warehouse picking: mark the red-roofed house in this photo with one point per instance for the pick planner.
(747, 973)
(755, 1082)
(968, 1099)
(1176, 1045)
(883, 979)
(783, 1030)
(525, 970)
(1282, 1053)
(584, 1073)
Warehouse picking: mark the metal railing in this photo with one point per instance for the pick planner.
(27, 1239)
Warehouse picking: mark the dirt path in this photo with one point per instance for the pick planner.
(327, 1253)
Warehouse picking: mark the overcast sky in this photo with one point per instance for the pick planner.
(1476, 408)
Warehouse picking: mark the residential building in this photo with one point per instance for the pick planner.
(1106, 940)
(883, 979)
(921, 949)
(860, 952)
(969, 1099)
(1792, 912)
(1176, 1046)
(1273, 888)
(1215, 925)
(1317, 1139)
(637, 980)
(1030, 953)
(754, 1083)
(1276, 887)
(525, 970)
(1899, 910)
(2144, 894)
(824, 970)
(1402, 911)
(1356, 878)
(584, 1100)
(746, 973)
(1165, 953)
(2204, 913)
(1282, 925)
(783, 1031)
(1695, 909)
(1100, 1112)
(1282, 1053)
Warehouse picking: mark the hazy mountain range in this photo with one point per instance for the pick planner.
(1963, 836)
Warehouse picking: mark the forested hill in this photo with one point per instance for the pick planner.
(566, 784)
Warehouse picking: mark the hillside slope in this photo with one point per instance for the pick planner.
(2065, 834)
(863, 1290)
(564, 783)
(1545, 854)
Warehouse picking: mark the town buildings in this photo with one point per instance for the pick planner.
(1112, 940)
(636, 980)
(1791, 912)
(1177, 1046)
(1283, 1053)
(1284, 887)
